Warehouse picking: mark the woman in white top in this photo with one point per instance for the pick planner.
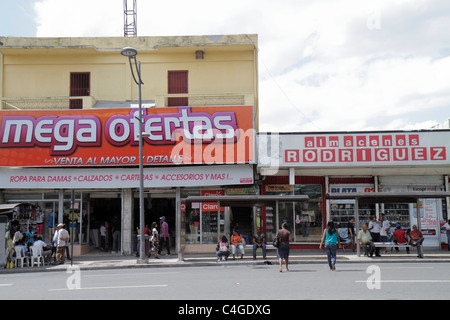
(155, 240)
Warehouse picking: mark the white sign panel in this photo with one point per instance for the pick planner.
(72, 178)
(355, 149)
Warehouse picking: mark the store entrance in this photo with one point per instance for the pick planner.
(104, 213)
(242, 220)
(154, 208)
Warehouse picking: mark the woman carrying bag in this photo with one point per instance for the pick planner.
(283, 248)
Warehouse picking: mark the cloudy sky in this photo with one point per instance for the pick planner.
(324, 65)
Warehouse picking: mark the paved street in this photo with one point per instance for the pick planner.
(231, 281)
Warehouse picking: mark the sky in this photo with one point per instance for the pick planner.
(324, 65)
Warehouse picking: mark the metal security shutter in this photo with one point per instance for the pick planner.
(178, 82)
(80, 86)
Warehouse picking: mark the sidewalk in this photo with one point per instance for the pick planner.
(105, 260)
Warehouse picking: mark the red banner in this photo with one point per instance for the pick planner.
(110, 137)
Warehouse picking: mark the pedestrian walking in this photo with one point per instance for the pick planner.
(283, 250)
(330, 238)
(164, 237)
(155, 240)
(62, 241)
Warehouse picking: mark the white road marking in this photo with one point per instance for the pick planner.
(403, 281)
(113, 287)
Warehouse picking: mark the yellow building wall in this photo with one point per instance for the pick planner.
(40, 68)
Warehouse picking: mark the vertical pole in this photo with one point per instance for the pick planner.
(357, 226)
(141, 175)
(179, 225)
(72, 223)
(218, 219)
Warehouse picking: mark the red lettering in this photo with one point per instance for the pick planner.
(413, 139)
(374, 141)
(363, 155)
(309, 142)
(292, 156)
(400, 154)
(419, 153)
(400, 140)
(334, 142)
(348, 141)
(360, 141)
(387, 141)
(328, 155)
(382, 154)
(310, 156)
(438, 153)
(346, 155)
(321, 142)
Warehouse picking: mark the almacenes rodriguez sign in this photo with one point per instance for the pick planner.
(110, 137)
(371, 148)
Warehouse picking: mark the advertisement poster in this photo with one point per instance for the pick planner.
(354, 149)
(110, 137)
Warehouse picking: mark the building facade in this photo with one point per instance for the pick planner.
(70, 132)
(317, 164)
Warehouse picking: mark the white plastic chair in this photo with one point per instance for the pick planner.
(36, 254)
(20, 256)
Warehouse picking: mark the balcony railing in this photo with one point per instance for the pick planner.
(209, 100)
(43, 103)
(64, 103)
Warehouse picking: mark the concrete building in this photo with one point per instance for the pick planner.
(68, 109)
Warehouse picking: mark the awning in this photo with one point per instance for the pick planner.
(247, 200)
(388, 197)
(7, 208)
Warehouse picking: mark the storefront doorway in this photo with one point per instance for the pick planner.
(157, 204)
(104, 212)
(243, 221)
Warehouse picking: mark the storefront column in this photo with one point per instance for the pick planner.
(447, 199)
(60, 206)
(127, 222)
(327, 201)
(377, 205)
(179, 225)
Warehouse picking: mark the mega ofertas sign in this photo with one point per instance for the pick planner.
(110, 137)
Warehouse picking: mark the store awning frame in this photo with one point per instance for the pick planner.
(247, 200)
(385, 197)
(8, 207)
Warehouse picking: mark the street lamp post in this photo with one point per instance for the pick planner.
(131, 54)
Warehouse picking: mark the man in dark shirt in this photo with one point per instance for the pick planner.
(258, 242)
(416, 240)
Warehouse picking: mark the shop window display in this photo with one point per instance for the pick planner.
(304, 218)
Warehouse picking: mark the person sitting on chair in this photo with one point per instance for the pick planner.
(400, 237)
(416, 240)
(258, 242)
(237, 243)
(365, 240)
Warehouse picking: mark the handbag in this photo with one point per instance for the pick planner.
(276, 242)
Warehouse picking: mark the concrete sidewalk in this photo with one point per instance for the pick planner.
(104, 260)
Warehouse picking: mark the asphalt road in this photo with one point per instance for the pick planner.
(223, 282)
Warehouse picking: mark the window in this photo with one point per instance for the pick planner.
(177, 83)
(80, 86)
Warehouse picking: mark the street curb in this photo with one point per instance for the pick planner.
(210, 262)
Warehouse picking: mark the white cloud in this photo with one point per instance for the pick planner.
(324, 65)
